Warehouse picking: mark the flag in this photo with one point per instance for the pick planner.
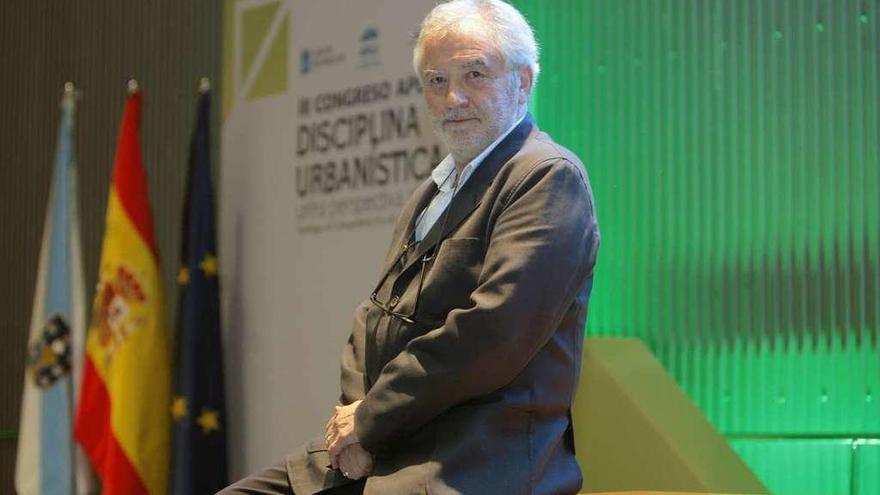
(46, 459)
(122, 418)
(198, 403)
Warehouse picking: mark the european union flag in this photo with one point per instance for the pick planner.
(198, 402)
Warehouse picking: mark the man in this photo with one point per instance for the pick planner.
(459, 373)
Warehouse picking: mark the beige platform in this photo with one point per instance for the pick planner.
(635, 429)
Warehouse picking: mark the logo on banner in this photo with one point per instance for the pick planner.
(312, 59)
(305, 62)
(369, 51)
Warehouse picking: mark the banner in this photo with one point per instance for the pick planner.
(325, 136)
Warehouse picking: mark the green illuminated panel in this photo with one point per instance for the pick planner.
(734, 153)
(806, 467)
(867, 470)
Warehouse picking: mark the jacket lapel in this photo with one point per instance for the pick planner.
(470, 195)
(419, 201)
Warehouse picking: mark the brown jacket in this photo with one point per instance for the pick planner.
(475, 396)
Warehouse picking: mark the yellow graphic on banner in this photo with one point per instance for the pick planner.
(260, 40)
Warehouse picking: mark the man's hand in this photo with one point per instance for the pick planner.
(342, 414)
(343, 446)
(355, 462)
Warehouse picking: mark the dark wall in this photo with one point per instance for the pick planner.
(167, 45)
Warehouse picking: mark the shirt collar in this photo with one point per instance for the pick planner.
(444, 174)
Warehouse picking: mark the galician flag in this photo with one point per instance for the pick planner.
(46, 461)
(122, 419)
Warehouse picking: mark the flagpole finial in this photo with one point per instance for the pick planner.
(133, 86)
(204, 85)
(71, 94)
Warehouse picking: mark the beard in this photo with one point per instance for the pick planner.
(465, 140)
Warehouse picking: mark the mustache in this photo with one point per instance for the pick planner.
(457, 115)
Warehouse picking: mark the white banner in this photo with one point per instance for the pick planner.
(325, 138)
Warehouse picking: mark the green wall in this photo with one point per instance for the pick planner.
(733, 151)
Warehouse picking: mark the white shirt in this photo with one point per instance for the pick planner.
(445, 175)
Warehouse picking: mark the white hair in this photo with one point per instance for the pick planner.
(499, 21)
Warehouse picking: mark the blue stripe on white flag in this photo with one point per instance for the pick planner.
(56, 440)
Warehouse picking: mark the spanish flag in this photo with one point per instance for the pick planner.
(122, 419)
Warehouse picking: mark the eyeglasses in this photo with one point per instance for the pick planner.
(388, 306)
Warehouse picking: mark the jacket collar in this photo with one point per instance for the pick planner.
(470, 195)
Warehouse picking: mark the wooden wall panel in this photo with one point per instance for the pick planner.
(167, 45)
